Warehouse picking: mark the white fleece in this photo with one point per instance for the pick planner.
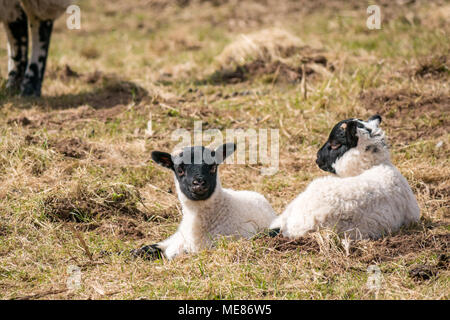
(367, 198)
(226, 213)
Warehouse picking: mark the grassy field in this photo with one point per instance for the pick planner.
(77, 179)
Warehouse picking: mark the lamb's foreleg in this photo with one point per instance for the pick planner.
(17, 33)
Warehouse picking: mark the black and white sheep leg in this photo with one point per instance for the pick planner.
(17, 34)
(40, 36)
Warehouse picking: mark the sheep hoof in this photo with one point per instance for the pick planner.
(29, 89)
(13, 85)
(273, 232)
(150, 252)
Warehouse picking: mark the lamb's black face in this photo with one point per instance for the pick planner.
(195, 169)
(197, 181)
(342, 138)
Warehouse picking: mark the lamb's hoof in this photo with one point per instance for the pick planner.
(273, 232)
(150, 252)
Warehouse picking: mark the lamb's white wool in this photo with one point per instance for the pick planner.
(368, 198)
(226, 213)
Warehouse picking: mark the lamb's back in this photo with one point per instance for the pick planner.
(249, 211)
(375, 202)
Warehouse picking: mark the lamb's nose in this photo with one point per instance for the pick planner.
(198, 182)
(199, 186)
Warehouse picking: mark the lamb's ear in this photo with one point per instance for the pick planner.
(224, 151)
(350, 133)
(163, 158)
(376, 119)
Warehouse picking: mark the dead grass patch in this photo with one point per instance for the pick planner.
(404, 244)
(65, 119)
(402, 104)
(274, 53)
(433, 67)
(122, 227)
(85, 203)
(75, 148)
(305, 244)
(426, 272)
(277, 72)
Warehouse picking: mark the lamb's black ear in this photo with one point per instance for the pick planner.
(376, 118)
(350, 133)
(224, 151)
(163, 158)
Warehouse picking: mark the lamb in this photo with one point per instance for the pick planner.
(368, 197)
(209, 211)
(26, 76)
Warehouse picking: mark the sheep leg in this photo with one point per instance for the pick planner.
(40, 36)
(17, 33)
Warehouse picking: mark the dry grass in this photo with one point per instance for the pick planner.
(75, 166)
(266, 45)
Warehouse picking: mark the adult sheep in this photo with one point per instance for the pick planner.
(26, 76)
(367, 198)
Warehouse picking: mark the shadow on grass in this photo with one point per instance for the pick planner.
(108, 91)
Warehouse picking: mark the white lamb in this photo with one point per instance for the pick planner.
(209, 211)
(368, 198)
(23, 75)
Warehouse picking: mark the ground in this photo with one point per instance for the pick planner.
(78, 181)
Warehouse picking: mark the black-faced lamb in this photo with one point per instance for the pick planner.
(366, 198)
(209, 211)
(26, 76)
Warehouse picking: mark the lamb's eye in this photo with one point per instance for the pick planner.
(180, 171)
(335, 146)
(213, 169)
